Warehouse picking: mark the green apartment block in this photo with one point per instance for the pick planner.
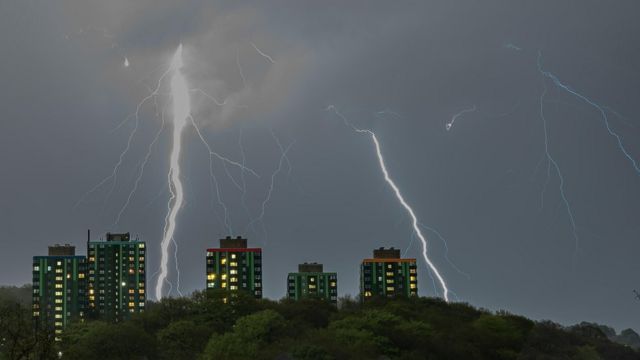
(311, 282)
(235, 267)
(387, 275)
(59, 285)
(116, 277)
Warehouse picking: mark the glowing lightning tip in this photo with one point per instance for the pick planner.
(126, 62)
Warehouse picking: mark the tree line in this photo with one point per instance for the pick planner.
(215, 325)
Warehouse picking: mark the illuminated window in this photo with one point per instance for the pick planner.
(58, 278)
(141, 259)
(389, 273)
(333, 284)
(131, 271)
(92, 259)
(367, 293)
(58, 271)
(36, 313)
(412, 271)
(390, 288)
(224, 284)
(233, 264)
(141, 291)
(233, 256)
(58, 308)
(223, 261)
(141, 246)
(233, 287)
(211, 276)
(312, 286)
(233, 279)
(81, 276)
(58, 316)
(412, 278)
(59, 263)
(58, 301)
(132, 291)
(58, 286)
(390, 281)
(36, 268)
(224, 276)
(58, 293)
(132, 304)
(210, 285)
(131, 258)
(389, 266)
(412, 286)
(233, 271)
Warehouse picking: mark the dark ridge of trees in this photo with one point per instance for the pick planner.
(219, 326)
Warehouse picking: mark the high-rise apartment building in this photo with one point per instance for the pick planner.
(311, 282)
(116, 277)
(235, 267)
(59, 288)
(388, 275)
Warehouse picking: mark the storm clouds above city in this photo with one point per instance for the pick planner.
(461, 95)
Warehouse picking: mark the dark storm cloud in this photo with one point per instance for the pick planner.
(66, 90)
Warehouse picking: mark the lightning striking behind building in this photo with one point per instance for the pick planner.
(181, 113)
(414, 220)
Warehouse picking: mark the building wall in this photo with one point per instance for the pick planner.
(235, 269)
(116, 279)
(388, 278)
(59, 290)
(319, 285)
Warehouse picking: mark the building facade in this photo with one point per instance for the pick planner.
(312, 282)
(388, 275)
(116, 277)
(235, 267)
(59, 288)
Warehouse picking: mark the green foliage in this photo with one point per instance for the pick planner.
(220, 325)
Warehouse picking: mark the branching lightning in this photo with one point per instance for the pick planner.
(449, 125)
(601, 109)
(414, 220)
(551, 162)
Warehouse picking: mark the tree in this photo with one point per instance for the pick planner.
(99, 340)
(182, 340)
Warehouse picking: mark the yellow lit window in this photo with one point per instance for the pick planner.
(390, 281)
(224, 276)
(58, 301)
(389, 288)
(141, 291)
(92, 259)
(224, 284)
(58, 271)
(233, 256)
(333, 284)
(312, 286)
(58, 286)
(233, 264)
(58, 278)
(68, 276)
(223, 261)
(367, 293)
(233, 279)
(92, 297)
(233, 271)
(412, 271)
(58, 316)
(132, 304)
(211, 276)
(141, 246)
(412, 286)
(58, 293)
(81, 276)
(412, 278)
(132, 291)
(36, 313)
(141, 259)
(233, 287)
(389, 273)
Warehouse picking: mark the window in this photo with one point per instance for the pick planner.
(233, 256)
(36, 268)
(81, 276)
(211, 276)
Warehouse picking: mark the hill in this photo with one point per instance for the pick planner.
(208, 327)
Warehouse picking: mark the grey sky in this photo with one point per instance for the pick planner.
(65, 91)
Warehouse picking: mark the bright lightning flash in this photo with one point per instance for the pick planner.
(414, 220)
(181, 112)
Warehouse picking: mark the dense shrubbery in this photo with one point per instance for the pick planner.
(205, 327)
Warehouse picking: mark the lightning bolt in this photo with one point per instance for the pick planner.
(181, 113)
(449, 125)
(262, 53)
(601, 109)
(140, 172)
(283, 159)
(414, 220)
(551, 163)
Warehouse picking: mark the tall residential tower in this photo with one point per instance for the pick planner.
(388, 275)
(116, 277)
(311, 282)
(235, 267)
(59, 288)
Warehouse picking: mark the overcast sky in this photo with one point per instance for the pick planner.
(401, 69)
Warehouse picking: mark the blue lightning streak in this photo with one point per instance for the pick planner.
(114, 173)
(552, 162)
(414, 220)
(262, 53)
(263, 207)
(601, 109)
(449, 125)
(140, 173)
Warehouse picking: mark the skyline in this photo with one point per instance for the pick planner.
(528, 202)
